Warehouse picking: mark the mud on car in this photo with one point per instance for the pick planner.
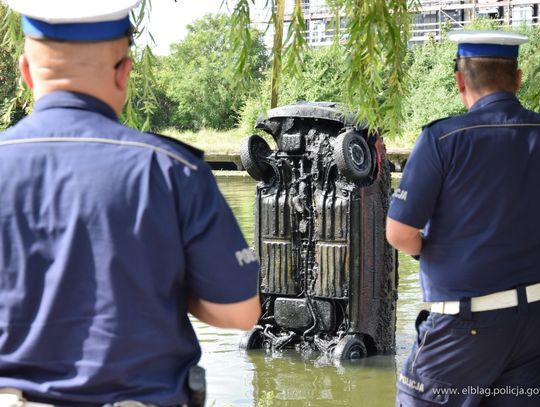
(328, 278)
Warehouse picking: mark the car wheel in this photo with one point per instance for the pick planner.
(351, 347)
(352, 156)
(252, 339)
(253, 153)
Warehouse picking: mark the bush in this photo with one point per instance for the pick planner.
(252, 110)
(318, 81)
(433, 93)
(196, 77)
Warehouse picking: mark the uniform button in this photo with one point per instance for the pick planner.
(474, 332)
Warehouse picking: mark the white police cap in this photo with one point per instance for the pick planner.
(75, 20)
(487, 43)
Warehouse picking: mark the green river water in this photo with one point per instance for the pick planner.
(237, 378)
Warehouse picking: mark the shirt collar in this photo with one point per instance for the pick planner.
(74, 100)
(492, 98)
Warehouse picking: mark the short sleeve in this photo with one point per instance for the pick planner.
(414, 201)
(219, 265)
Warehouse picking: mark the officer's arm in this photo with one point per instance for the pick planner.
(238, 315)
(403, 237)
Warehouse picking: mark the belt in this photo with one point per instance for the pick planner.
(490, 302)
(10, 397)
(13, 398)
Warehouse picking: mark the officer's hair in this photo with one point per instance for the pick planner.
(489, 74)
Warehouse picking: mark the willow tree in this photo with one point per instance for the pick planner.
(141, 102)
(375, 42)
(15, 98)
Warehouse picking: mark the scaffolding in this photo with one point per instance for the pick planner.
(433, 17)
(436, 16)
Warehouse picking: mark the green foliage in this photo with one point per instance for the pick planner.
(17, 98)
(375, 45)
(141, 103)
(241, 40)
(433, 93)
(319, 79)
(430, 78)
(196, 79)
(253, 108)
(14, 96)
(529, 62)
(296, 44)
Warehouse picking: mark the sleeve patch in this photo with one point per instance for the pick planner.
(400, 194)
(246, 256)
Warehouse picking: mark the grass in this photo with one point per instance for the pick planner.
(210, 140)
(403, 141)
(228, 141)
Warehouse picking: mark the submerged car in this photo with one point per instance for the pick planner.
(328, 279)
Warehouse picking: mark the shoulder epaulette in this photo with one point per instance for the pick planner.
(195, 151)
(436, 121)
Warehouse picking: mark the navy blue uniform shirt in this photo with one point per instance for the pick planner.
(103, 233)
(472, 183)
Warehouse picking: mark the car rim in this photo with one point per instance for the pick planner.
(357, 154)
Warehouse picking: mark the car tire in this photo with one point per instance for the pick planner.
(351, 347)
(252, 339)
(253, 153)
(352, 156)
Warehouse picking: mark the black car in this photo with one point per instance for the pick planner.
(328, 277)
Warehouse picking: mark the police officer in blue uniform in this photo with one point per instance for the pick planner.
(108, 236)
(468, 206)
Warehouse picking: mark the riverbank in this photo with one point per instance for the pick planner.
(242, 174)
(228, 141)
(209, 140)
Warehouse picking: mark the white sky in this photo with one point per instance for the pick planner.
(168, 19)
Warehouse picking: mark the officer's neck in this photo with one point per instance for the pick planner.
(89, 68)
(469, 97)
(43, 89)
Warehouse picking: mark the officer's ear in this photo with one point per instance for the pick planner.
(24, 66)
(519, 76)
(121, 76)
(460, 81)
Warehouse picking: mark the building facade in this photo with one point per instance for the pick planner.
(437, 15)
(434, 16)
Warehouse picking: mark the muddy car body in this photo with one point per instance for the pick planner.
(328, 277)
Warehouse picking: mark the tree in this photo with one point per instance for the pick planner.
(319, 79)
(529, 62)
(17, 98)
(14, 98)
(375, 43)
(433, 94)
(197, 79)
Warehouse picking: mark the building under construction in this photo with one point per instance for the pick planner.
(456, 14)
(433, 17)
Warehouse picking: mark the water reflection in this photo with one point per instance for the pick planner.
(295, 381)
(241, 379)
